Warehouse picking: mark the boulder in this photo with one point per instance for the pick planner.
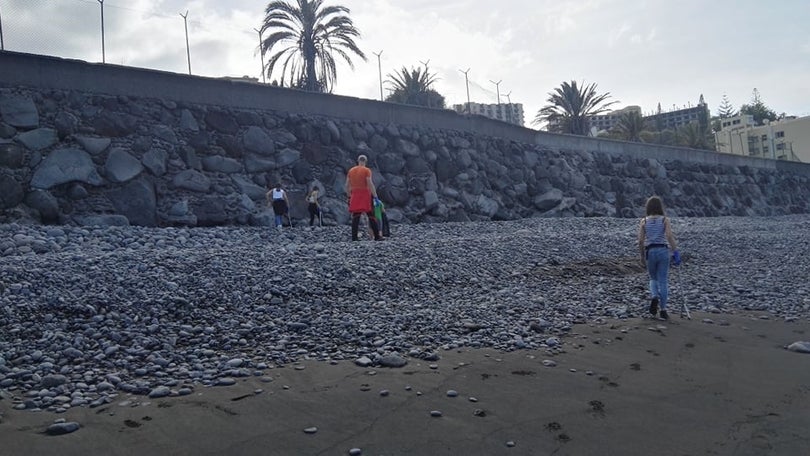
(391, 163)
(190, 158)
(188, 122)
(11, 155)
(220, 164)
(155, 161)
(548, 200)
(11, 192)
(431, 200)
(287, 157)
(316, 153)
(302, 171)
(7, 131)
(164, 133)
(93, 146)
(257, 141)
(102, 220)
(486, 206)
(250, 189)
(254, 164)
(193, 180)
(115, 124)
(66, 124)
(19, 112)
(121, 166)
(136, 201)
(39, 139)
(45, 203)
(210, 211)
(222, 122)
(65, 165)
(407, 148)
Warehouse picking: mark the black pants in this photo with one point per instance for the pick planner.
(371, 221)
(313, 212)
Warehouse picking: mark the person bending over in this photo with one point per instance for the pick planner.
(361, 190)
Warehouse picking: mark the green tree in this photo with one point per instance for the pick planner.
(570, 106)
(304, 39)
(758, 109)
(694, 136)
(631, 127)
(414, 87)
(725, 110)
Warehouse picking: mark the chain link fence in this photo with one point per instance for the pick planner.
(131, 35)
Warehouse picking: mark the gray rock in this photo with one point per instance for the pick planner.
(257, 141)
(225, 381)
(45, 203)
(19, 112)
(102, 220)
(250, 189)
(39, 139)
(65, 165)
(800, 347)
(121, 166)
(66, 124)
(136, 201)
(155, 161)
(187, 121)
(115, 124)
(222, 122)
(392, 361)
(11, 192)
(93, 146)
(160, 391)
(220, 164)
(51, 381)
(193, 180)
(287, 157)
(11, 155)
(431, 200)
(363, 361)
(255, 164)
(164, 133)
(548, 200)
(62, 428)
(179, 208)
(7, 131)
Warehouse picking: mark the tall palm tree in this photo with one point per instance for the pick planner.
(631, 127)
(694, 136)
(304, 38)
(570, 106)
(414, 87)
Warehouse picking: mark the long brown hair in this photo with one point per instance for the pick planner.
(654, 206)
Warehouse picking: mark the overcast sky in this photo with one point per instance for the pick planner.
(643, 52)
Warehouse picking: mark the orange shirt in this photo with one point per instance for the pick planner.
(358, 176)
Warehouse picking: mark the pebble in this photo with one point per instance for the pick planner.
(799, 347)
(229, 316)
(355, 452)
(452, 393)
(549, 363)
(435, 413)
(62, 428)
(160, 391)
(311, 430)
(510, 444)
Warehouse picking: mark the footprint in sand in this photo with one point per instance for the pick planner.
(553, 426)
(132, 424)
(635, 366)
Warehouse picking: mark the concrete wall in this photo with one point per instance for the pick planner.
(55, 73)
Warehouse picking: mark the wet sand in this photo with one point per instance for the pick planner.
(634, 387)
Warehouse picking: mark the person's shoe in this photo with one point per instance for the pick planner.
(654, 306)
(355, 239)
(663, 315)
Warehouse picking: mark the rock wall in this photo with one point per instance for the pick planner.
(75, 157)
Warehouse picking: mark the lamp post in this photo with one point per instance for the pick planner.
(508, 107)
(497, 90)
(261, 54)
(103, 51)
(2, 46)
(467, 83)
(379, 69)
(188, 51)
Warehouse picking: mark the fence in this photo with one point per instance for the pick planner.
(135, 35)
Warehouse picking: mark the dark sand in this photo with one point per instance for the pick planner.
(685, 388)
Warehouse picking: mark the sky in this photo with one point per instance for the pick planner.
(642, 52)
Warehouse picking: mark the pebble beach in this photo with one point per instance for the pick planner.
(93, 318)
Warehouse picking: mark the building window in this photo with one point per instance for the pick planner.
(735, 122)
(764, 137)
(780, 134)
(765, 149)
(780, 146)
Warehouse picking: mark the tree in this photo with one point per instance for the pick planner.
(758, 109)
(304, 38)
(414, 88)
(695, 136)
(631, 127)
(725, 110)
(570, 106)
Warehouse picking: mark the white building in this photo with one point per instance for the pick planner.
(604, 122)
(507, 112)
(786, 139)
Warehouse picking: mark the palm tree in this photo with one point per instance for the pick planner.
(570, 106)
(414, 87)
(694, 136)
(304, 38)
(631, 127)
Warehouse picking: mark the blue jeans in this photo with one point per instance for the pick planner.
(658, 268)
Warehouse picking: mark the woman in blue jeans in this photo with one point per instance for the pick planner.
(655, 239)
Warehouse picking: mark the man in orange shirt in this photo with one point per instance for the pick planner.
(361, 190)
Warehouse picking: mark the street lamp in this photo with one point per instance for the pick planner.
(467, 82)
(103, 52)
(379, 68)
(261, 53)
(188, 51)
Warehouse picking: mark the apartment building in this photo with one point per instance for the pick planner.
(672, 120)
(507, 112)
(604, 122)
(786, 139)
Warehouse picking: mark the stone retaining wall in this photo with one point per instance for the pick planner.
(86, 157)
